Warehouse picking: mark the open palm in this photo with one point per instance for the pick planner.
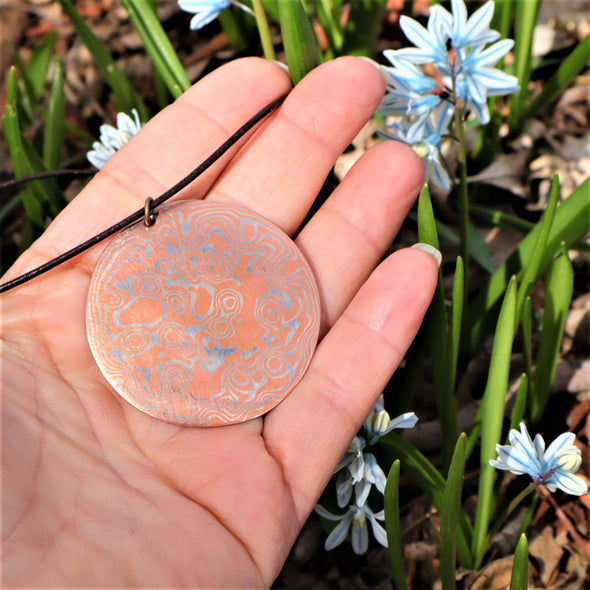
(97, 493)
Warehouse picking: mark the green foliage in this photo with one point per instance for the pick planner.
(570, 225)
(442, 341)
(431, 482)
(362, 27)
(301, 47)
(559, 286)
(157, 45)
(392, 525)
(53, 138)
(449, 515)
(493, 403)
(520, 567)
(126, 98)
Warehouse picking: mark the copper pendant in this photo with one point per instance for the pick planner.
(209, 317)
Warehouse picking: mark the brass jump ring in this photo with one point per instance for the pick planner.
(148, 217)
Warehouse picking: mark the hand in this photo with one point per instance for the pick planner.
(98, 493)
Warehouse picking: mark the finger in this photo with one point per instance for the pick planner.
(285, 165)
(171, 144)
(310, 430)
(350, 233)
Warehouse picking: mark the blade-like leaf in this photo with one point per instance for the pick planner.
(300, 43)
(393, 528)
(34, 73)
(568, 70)
(571, 223)
(126, 98)
(520, 567)
(531, 270)
(362, 27)
(13, 138)
(431, 482)
(157, 45)
(493, 404)
(449, 515)
(559, 286)
(438, 333)
(53, 137)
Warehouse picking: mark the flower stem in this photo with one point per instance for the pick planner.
(263, 30)
(463, 199)
(502, 519)
(463, 192)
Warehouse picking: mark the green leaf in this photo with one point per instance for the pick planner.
(362, 27)
(34, 74)
(520, 566)
(527, 340)
(454, 336)
(493, 403)
(519, 404)
(53, 137)
(157, 45)
(439, 337)
(503, 13)
(126, 98)
(22, 167)
(479, 249)
(431, 482)
(393, 528)
(532, 269)
(569, 69)
(328, 13)
(526, 19)
(299, 41)
(451, 509)
(502, 219)
(559, 287)
(571, 223)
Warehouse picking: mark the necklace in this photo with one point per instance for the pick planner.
(204, 315)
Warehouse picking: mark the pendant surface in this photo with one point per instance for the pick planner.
(209, 317)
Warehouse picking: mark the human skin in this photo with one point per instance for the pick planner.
(96, 493)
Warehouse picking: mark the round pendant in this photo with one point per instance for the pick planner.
(208, 317)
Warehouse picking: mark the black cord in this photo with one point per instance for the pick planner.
(47, 174)
(141, 213)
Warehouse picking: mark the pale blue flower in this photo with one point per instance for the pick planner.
(206, 11)
(431, 43)
(474, 31)
(358, 472)
(366, 474)
(113, 138)
(354, 520)
(467, 69)
(476, 79)
(554, 467)
(379, 423)
(408, 89)
(427, 145)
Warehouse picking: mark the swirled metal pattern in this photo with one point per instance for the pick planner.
(208, 317)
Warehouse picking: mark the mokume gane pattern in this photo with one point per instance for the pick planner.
(208, 317)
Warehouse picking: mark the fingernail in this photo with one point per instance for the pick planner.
(378, 67)
(281, 65)
(429, 250)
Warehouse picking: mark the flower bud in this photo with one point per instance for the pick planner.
(380, 422)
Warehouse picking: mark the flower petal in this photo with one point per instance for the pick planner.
(339, 533)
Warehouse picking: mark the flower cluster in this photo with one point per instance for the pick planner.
(113, 138)
(206, 11)
(455, 47)
(554, 468)
(358, 472)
